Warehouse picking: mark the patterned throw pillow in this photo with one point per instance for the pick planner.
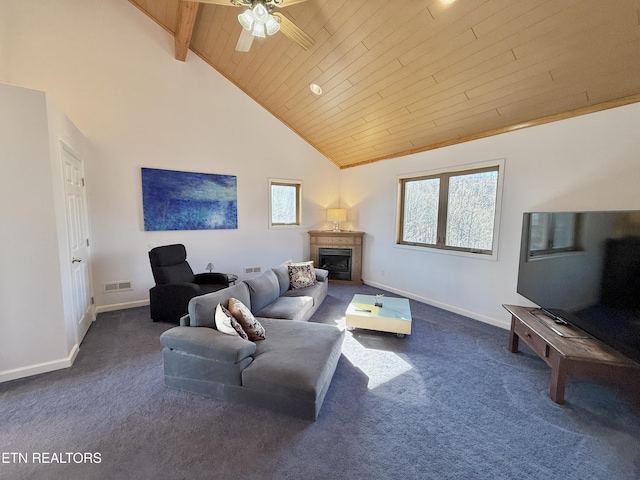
(253, 328)
(237, 327)
(301, 275)
(225, 323)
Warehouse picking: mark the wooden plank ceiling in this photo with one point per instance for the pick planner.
(406, 76)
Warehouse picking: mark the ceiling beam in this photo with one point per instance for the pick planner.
(187, 12)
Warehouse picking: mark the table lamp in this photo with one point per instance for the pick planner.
(336, 215)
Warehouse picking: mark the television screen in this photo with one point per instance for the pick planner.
(584, 268)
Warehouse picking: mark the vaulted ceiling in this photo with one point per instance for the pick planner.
(401, 77)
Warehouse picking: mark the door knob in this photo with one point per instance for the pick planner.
(76, 260)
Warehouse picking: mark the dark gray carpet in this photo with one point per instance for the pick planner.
(448, 402)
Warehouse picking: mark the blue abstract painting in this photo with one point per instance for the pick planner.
(173, 200)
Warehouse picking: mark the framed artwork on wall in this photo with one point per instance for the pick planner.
(175, 200)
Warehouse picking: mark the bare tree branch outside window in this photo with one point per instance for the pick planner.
(454, 210)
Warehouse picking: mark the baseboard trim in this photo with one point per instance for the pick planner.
(444, 306)
(121, 306)
(73, 354)
(39, 368)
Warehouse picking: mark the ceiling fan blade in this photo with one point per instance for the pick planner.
(244, 41)
(294, 33)
(286, 3)
(247, 3)
(226, 3)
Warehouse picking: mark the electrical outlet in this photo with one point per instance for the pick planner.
(248, 270)
(257, 269)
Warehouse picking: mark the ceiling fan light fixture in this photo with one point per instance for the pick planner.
(246, 19)
(258, 30)
(258, 19)
(260, 13)
(272, 24)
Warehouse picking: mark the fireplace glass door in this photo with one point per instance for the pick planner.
(337, 261)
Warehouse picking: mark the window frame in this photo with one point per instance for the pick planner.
(444, 175)
(288, 183)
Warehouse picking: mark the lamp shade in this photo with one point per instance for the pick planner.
(336, 214)
(258, 30)
(246, 20)
(272, 24)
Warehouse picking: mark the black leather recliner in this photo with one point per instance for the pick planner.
(176, 283)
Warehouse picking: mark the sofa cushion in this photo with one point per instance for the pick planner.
(287, 308)
(301, 275)
(282, 272)
(316, 291)
(255, 331)
(263, 289)
(296, 360)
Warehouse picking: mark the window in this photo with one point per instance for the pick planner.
(284, 203)
(450, 210)
(551, 233)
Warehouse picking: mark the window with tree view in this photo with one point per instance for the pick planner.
(452, 211)
(285, 202)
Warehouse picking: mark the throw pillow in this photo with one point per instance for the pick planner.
(226, 323)
(301, 275)
(238, 328)
(253, 328)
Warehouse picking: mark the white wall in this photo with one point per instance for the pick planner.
(4, 42)
(112, 71)
(585, 163)
(32, 317)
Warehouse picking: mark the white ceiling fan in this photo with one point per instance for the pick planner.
(259, 19)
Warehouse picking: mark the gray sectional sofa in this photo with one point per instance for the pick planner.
(289, 371)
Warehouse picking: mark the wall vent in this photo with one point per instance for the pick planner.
(117, 286)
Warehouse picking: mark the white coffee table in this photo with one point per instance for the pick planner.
(394, 316)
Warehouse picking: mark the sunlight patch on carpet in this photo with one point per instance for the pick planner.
(380, 366)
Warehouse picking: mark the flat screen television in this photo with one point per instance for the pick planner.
(583, 268)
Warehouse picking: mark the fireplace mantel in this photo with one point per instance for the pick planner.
(342, 239)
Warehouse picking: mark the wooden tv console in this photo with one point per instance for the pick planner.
(569, 351)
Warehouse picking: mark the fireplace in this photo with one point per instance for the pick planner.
(338, 252)
(337, 261)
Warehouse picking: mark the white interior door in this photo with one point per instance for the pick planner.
(78, 239)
